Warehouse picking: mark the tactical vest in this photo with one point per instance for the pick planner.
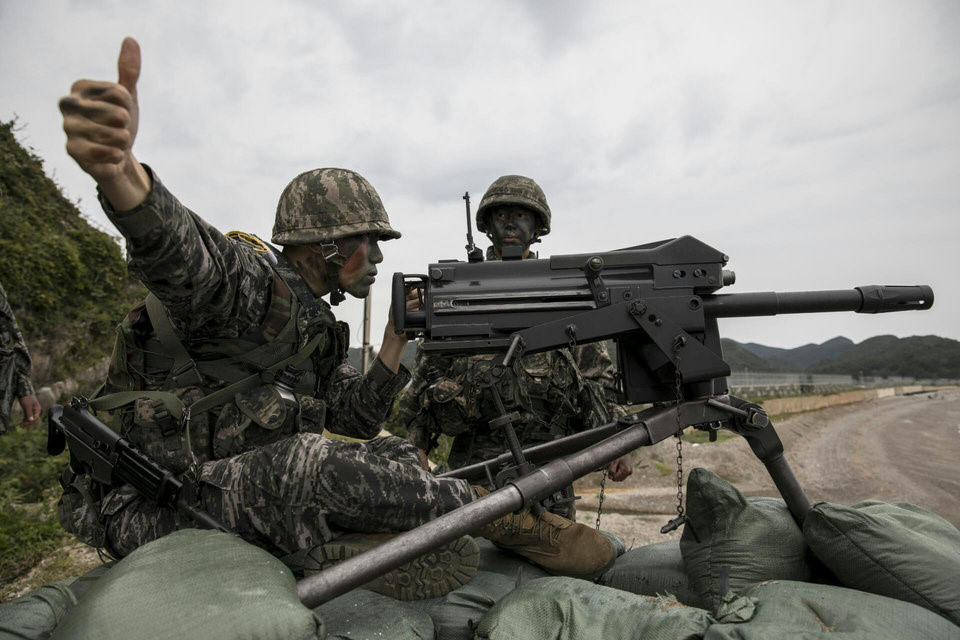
(223, 396)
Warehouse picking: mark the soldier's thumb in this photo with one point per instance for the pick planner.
(128, 65)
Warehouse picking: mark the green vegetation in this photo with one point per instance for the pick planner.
(66, 281)
(29, 530)
(916, 357)
(662, 468)
(68, 285)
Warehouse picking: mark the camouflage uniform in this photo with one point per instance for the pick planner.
(14, 362)
(261, 464)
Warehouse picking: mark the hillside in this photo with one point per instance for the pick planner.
(804, 357)
(916, 356)
(66, 281)
(740, 358)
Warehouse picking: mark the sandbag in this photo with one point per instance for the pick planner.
(192, 584)
(730, 541)
(571, 609)
(362, 614)
(801, 610)
(35, 615)
(457, 614)
(898, 550)
(496, 560)
(651, 570)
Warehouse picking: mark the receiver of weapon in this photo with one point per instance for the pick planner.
(97, 450)
(659, 301)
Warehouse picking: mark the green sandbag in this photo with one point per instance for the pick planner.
(362, 614)
(728, 538)
(572, 609)
(651, 570)
(35, 615)
(806, 611)
(192, 584)
(496, 560)
(457, 614)
(898, 550)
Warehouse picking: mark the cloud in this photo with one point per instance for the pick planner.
(816, 143)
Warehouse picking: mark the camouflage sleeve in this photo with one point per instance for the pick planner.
(595, 364)
(410, 411)
(12, 346)
(357, 404)
(209, 287)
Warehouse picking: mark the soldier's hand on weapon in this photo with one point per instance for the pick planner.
(621, 468)
(31, 409)
(414, 297)
(101, 121)
(393, 343)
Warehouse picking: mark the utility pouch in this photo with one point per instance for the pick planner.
(313, 414)
(161, 436)
(448, 406)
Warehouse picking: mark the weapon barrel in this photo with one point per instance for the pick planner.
(868, 299)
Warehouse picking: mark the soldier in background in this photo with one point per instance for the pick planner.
(14, 369)
(243, 338)
(557, 393)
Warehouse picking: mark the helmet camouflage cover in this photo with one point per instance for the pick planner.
(325, 204)
(515, 190)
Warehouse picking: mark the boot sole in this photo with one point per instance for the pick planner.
(432, 575)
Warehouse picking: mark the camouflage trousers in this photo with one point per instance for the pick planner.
(303, 491)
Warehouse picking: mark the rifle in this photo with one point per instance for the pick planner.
(659, 302)
(97, 450)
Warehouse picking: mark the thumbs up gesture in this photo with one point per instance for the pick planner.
(101, 120)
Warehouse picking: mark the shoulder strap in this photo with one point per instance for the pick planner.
(184, 372)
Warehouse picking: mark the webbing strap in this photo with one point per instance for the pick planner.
(174, 405)
(111, 401)
(184, 372)
(223, 395)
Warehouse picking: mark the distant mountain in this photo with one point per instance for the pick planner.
(801, 358)
(740, 358)
(916, 356)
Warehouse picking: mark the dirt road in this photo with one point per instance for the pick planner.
(902, 448)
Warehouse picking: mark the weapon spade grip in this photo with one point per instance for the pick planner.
(404, 321)
(884, 298)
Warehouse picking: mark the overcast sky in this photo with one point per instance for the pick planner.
(815, 143)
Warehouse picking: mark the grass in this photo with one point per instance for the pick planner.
(662, 468)
(29, 489)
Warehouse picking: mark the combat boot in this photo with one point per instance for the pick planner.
(558, 545)
(432, 575)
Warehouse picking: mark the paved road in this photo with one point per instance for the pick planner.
(904, 448)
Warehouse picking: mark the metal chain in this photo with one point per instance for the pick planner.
(603, 483)
(678, 382)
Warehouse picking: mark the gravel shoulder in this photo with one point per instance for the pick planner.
(902, 448)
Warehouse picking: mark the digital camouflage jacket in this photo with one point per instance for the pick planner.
(233, 312)
(14, 362)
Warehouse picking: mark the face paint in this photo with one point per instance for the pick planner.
(512, 226)
(363, 256)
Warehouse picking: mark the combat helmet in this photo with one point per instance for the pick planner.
(325, 204)
(516, 190)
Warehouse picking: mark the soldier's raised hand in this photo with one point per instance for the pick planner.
(101, 121)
